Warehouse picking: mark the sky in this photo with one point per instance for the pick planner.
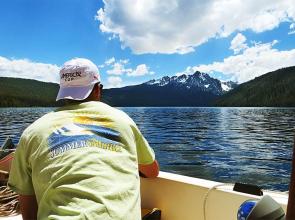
(134, 41)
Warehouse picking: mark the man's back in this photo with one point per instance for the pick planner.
(81, 163)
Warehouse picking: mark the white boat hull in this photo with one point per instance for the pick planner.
(182, 198)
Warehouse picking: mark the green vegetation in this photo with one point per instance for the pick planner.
(274, 89)
(16, 92)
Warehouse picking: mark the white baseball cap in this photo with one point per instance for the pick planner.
(77, 79)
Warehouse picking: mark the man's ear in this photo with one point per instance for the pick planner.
(97, 92)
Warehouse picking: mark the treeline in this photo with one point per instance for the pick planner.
(274, 89)
(157, 96)
(15, 92)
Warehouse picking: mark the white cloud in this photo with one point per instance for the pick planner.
(23, 68)
(292, 29)
(238, 43)
(188, 71)
(184, 50)
(124, 61)
(110, 61)
(114, 81)
(254, 61)
(140, 70)
(177, 26)
(118, 69)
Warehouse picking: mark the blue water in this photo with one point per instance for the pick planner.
(251, 145)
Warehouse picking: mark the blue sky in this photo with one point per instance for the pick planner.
(133, 41)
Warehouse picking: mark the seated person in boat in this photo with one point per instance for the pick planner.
(81, 161)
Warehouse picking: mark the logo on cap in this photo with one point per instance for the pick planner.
(71, 76)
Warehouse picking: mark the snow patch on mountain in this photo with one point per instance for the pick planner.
(199, 81)
(225, 87)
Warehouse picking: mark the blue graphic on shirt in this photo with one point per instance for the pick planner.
(73, 136)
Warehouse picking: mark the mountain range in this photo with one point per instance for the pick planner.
(199, 81)
(276, 88)
(198, 89)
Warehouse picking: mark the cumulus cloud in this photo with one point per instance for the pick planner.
(177, 26)
(23, 68)
(252, 62)
(110, 61)
(140, 70)
(114, 81)
(118, 68)
(238, 43)
(124, 61)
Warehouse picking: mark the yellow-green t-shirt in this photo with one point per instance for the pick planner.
(81, 162)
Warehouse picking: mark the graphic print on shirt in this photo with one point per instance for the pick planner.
(79, 135)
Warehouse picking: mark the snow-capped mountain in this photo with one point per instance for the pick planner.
(198, 89)
(197, 81)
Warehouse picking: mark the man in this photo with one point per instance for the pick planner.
(82, 160)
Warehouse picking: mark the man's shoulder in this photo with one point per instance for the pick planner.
(114, 112)
(101, 106)
(39, 124)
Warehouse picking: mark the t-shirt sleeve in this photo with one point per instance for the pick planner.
(20, 180)
(145, 153)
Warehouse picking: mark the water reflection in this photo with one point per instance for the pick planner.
(13, 121)
(250, 145)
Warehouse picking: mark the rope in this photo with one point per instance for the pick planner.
(7, 150)
(207, 195)
(9, 204)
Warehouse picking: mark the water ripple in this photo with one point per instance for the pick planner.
(252, 145)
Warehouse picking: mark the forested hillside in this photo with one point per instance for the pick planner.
(26, 92)
(274, 89)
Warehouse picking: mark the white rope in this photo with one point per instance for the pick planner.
(7, 150)
(207, 195)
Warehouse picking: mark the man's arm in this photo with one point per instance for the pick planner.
(28, 207)
(149, 170)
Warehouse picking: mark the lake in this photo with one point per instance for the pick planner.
(251, 145)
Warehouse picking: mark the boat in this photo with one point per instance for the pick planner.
(187, 198)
